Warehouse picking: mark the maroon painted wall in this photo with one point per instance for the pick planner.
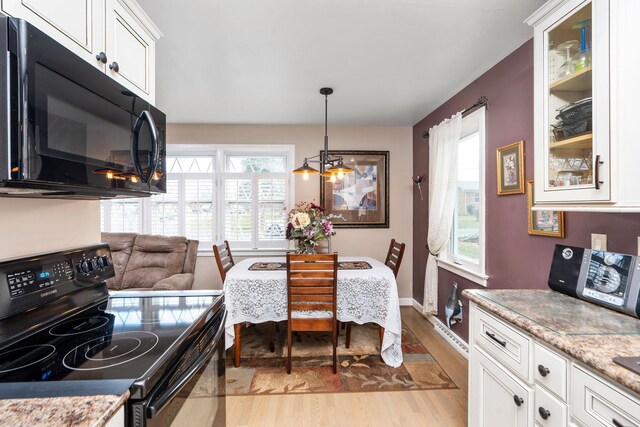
(514, 258)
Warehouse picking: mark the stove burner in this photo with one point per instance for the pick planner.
(121, 348)
(78, 326)
(99, 353)
(18, 356)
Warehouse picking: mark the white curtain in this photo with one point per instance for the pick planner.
(443, 181)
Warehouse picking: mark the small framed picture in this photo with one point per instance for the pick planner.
(543, 223)
(510, 167)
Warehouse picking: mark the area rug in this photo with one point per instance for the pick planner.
(360, 368)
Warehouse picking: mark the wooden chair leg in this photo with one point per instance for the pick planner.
(236, 341)
(348, 336)
(335, 345)
(289, 349)
(271, 336)
(381, 336)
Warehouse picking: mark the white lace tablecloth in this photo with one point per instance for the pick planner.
(363, 296)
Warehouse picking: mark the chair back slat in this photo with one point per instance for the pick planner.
(312, 282)
(394, 256)
(314, 266)
(224, 259)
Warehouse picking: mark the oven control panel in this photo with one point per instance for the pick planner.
(22, 282)
(32, 281)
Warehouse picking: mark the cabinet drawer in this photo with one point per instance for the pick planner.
(548, 410)
(510, 347)
(595, 402)
(550, 370)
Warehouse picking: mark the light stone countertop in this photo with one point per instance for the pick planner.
(76, 411)
(589, 333)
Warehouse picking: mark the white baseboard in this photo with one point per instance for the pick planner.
(454, 341)
(406, 302)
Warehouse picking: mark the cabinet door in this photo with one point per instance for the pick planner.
(497, 398)
(131, 50)
(572, 149)
(77, 24)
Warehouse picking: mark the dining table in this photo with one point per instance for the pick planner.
(366, 293)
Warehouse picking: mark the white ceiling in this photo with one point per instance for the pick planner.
(390, 62)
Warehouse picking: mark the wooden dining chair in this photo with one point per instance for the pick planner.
(311, 297)
(225, 261)
(393, 261)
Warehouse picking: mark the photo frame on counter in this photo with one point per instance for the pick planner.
(361, 197)
(510, 166)
(543, 223)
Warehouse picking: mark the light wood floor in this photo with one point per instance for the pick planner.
(397, 408)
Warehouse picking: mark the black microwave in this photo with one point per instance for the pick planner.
(68, 130)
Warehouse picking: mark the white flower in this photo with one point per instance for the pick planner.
(300, 220)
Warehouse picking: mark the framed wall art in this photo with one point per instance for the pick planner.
(510, 165)
(361, 197)
(543, 223)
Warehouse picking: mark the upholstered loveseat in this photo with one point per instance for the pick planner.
(144, 262)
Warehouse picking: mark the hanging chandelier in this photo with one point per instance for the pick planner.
(331, 167)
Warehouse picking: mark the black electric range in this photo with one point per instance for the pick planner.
(161, 346)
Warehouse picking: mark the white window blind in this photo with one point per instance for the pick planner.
(242, 197)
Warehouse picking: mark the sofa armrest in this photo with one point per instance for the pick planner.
(177, 282)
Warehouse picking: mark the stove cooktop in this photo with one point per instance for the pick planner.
(129, 337)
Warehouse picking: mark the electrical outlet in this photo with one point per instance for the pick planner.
(599, 242)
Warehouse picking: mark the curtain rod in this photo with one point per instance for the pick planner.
(481, 102)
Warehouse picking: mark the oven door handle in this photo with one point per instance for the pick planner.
(145, 116)
(158, 405)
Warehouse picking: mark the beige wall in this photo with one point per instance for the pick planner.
(33, 226)
(308, 142)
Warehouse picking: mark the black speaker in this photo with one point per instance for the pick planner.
(565, 269)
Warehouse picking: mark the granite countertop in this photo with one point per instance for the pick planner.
(589, 333)
(77, 411)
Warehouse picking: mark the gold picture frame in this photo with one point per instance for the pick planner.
(543, 223)
(510, 166)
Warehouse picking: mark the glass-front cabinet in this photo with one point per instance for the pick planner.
(574, 44)
(585, 89)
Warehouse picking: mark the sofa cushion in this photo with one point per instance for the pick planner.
(121, 245)
(154, 258)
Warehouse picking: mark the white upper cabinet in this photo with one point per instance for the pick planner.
(131, 49)
(71, 22)
(115, 36)
(587, 153)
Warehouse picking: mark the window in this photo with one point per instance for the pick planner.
(255, 200)
(466, 250)
(214, 193)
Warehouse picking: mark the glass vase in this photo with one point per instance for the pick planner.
(306, 247)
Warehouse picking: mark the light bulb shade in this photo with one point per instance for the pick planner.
(340, 167)
(305, 168)
(327, 174)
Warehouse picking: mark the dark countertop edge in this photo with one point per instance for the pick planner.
(561, 342)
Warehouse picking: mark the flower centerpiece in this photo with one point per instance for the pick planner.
(309, 224)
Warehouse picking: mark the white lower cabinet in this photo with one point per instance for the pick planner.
(496, 397)
(595, 402)
(117, 420)
(552, 390)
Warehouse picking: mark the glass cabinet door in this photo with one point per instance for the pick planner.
(574, 149)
